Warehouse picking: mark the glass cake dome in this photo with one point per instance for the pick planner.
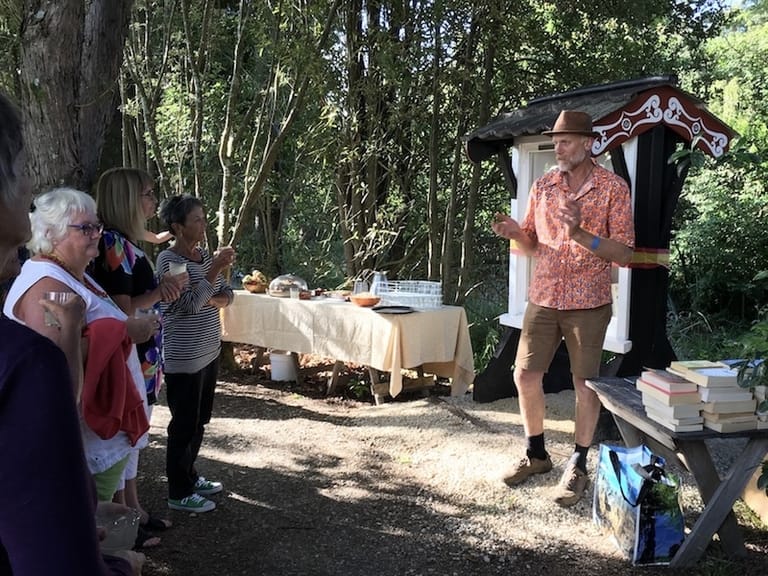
(281, 286)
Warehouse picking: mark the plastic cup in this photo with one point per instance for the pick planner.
(121, 528)
(176, 268)
(146, 313)
(59, 298)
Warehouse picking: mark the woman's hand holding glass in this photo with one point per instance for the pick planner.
(142, 328)
(223, 257)
(65, 310)
(172, 285)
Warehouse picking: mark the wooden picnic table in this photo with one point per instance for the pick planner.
(689, 450)
(435, 341)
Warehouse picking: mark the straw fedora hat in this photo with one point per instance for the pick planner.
(572, 122)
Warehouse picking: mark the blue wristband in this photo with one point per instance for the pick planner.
(595, 243)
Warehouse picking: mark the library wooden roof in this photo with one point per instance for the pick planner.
(620, 111)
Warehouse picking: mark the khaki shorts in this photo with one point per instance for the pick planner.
(583, 331)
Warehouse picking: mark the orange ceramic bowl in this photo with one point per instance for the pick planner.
(365, 301)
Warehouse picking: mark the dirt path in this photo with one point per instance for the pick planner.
(327, 487)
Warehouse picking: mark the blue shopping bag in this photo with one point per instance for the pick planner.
(638, 502)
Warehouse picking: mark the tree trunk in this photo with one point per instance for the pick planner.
(51, 43)
(106, 26)
(196, 60)
(147, 77)
(229, 136)
(70, 56)
(435, 227)
(466, 267)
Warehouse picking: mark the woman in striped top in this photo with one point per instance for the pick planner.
(191, 346)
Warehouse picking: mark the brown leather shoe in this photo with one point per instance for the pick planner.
(526, 468)
(572, 485)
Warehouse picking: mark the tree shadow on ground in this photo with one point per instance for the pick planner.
(275, 523)
(308, 516)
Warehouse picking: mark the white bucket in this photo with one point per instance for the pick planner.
(283, 366)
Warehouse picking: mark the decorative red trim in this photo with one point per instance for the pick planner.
(663, 105)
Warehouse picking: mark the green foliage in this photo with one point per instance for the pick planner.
(720, 239)
(738, 77)
(695, 335)
(359, 389)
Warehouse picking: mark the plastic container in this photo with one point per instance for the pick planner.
(418, 294)
(121, 528)
(283, 366)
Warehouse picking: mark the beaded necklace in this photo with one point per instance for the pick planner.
(85, 281)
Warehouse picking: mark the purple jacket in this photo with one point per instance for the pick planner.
(47, 500)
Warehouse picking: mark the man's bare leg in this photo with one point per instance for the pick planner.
(575, 479)
(531, 396)
(532, 409)
(587, 412)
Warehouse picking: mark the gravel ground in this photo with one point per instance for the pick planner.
(317, 486)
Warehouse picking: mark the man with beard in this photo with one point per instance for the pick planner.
(577, 223)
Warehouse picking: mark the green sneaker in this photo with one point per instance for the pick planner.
(206, 487)
(192, 503)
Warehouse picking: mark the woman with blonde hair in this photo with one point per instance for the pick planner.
(125, 200)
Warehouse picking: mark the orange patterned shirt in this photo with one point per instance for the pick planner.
(567, 275)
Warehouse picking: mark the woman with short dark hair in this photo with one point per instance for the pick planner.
(191, 347)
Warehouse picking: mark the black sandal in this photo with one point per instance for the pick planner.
(156, 524)
(142, 539)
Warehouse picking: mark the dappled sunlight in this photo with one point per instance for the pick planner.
(422, 476)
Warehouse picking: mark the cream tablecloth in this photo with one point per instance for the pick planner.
(438, 340)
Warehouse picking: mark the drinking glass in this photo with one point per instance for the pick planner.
(295, 292)
(176, 268)
(121, 528)
(360, 286)
(146, 312)
(60, 298)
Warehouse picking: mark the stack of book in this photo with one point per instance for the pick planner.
(671, 400)
(726, 406)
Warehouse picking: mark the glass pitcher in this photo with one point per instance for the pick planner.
(379, 283)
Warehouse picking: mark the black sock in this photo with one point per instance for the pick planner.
(580, 455)
(536, 447)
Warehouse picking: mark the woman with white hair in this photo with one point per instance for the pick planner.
(65, 238)
(47, 504)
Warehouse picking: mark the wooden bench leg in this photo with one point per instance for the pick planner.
(631, 435)
(719, 498)
(258, 360)
(333, 381)
(297, 367)
(379, 389)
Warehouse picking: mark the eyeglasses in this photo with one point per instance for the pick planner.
(88, 229)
